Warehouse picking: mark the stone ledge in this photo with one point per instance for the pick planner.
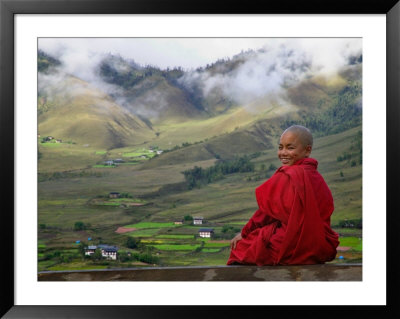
(321, 272)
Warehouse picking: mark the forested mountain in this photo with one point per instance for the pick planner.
(246, 95)
(46, 62)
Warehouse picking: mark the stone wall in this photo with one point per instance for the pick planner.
(324, 272)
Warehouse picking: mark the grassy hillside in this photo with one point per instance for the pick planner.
(148, 91)
(157, 100)
(83, 115)
(235, 132)
(139, 141)
(169, 114)
(329, 104)
(226, 204)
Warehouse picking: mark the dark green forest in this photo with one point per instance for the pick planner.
(344, 113)
(199, 176)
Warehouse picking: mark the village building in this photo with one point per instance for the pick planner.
(206, 232)
(48, 138)
(109, 252)
(90, 250)
(118, 160)
(197, 220)
(58, 141)
(109, 162)
(114, 195)
(178, 222)
(159, 152)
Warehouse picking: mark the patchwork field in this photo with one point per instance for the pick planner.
(73, 191)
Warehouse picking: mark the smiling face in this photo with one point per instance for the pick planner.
(291, 149)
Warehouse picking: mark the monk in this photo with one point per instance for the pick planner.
(292, 223)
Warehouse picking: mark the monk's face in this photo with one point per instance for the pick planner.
(291, 149)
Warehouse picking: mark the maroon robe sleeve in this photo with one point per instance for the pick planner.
(259, 219)
(273, 205)
(308, 238)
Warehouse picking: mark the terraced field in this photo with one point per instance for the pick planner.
(159, 197)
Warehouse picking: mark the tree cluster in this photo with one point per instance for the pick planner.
(49, 176)
(46, 61)
(57, 256)
(132, 242)
(143, 257)
(227, 232)
(198, 176)
(343, 113)
(351, 223)
(354, 154)
(123, 79)
(132, 73)
(81, 226)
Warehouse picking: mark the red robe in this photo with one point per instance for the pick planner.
(292, 222)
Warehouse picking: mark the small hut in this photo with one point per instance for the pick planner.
(206, 232)
(114, 195)
(197, 220)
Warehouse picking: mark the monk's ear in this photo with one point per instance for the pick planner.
(308, 150)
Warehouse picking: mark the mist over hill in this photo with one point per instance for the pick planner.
(132, 102)
(73, 110)
(181, 141)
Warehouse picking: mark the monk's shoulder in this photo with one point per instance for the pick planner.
(305, 166)
(296, 175)
(278, 178)
(287, 172)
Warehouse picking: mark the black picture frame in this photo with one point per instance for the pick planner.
(8, 8)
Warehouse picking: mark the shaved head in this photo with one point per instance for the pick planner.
(302, 132)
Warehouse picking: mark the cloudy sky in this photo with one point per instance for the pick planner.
(188, 53)
(282, 60)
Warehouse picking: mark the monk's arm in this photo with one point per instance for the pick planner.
(259, 219)
(276, 196)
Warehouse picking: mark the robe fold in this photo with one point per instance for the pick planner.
(292, 222)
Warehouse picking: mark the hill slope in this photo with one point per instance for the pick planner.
(148, 91)
(74, 111)
(167, 108)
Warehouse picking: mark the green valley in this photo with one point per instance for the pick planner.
(131, 167)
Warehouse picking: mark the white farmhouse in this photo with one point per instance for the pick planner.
(90, 250)
(109, 252)
(197, 220)
(206, 232)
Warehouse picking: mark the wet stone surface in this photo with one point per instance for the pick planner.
(326, 272)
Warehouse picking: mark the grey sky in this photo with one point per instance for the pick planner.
(282, 61)
(190, 53)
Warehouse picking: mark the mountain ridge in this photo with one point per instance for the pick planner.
(156, 108)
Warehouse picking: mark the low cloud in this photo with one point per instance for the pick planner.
(265, 73)
(258, 75)
(261, 73)
(148, 106)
